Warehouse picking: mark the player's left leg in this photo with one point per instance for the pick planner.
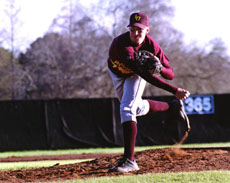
(127, 163)
(130, 103)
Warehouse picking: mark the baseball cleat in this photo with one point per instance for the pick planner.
(125, 165)
(180, 114)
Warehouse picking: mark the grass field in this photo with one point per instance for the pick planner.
(35, 164)
(190, 177)
(98, 150)
(185, 177)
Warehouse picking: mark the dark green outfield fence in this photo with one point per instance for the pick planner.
(82, 123)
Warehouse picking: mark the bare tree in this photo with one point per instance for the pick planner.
(5, 88)
(12, 12)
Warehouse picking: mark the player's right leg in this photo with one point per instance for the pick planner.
(178, 113)
(175, 110)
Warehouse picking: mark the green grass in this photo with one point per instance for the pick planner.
(35, 164)
(98, 150)
(59, 152)
(190, 177)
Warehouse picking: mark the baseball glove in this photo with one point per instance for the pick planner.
(147, 62)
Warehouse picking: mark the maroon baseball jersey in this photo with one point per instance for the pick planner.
(121, 56)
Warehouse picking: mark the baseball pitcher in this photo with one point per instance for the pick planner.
(134, 59)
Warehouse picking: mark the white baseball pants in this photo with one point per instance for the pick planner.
(129, 92)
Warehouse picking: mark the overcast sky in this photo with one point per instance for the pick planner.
(199, 20)
(203, 20)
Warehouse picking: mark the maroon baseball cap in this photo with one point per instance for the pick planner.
(140, 20)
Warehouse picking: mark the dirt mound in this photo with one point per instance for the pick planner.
(149, 161)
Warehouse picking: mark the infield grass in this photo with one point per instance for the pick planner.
(185, 177)
(99, 150)
(36, 164)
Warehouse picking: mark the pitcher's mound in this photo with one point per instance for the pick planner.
(149, 161)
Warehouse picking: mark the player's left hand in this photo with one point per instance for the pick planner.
(147, 62)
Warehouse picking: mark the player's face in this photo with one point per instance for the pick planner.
(137, 35)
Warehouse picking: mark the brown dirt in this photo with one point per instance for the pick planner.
(150, 161)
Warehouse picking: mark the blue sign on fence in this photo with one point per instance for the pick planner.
(199, 104)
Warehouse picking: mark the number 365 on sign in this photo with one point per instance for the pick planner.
(199, 104)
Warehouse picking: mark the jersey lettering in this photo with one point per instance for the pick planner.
(121, 67)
